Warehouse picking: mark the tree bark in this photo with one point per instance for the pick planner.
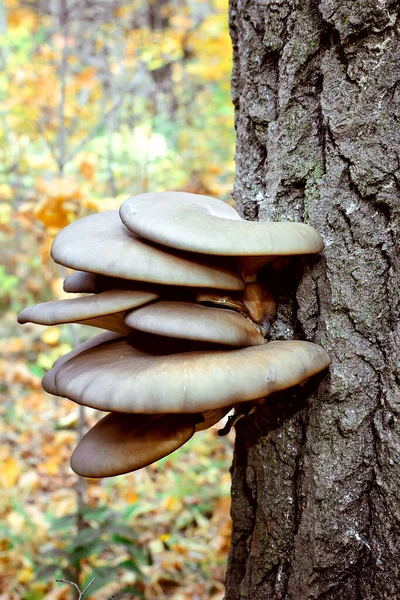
(316, 472)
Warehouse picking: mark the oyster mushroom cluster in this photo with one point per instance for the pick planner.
(172, 280)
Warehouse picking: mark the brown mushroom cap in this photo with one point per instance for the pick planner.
(123, 376)
(105, 310)
(121, 443)
(48, 383)
(190, 321)
(201, 224)
(101, 244)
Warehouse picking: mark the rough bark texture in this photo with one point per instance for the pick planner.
(316, 473)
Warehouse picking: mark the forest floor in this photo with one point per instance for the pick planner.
(161, 532)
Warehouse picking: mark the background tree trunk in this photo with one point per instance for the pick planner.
(316, 473)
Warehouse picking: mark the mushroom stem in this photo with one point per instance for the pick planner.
(233, 419)
(259, 304)
(249, 265)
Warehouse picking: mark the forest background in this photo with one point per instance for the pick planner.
(100, 101)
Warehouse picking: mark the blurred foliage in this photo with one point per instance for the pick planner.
(161, 532)
(100, 100)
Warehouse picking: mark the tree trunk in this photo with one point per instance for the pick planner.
(316, 473)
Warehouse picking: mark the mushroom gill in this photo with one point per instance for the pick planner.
(170, 277)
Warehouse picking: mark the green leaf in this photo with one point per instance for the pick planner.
(122, 530)
(100, 514)
(36, 370)
(134, 593)
(103, 576)
(47, 572)
(64, 522)
(130, 565)
(78, 552)
(125, 541)
(86, 536)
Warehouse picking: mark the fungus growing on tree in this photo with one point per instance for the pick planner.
(191, 321)
(105, 310)
(174, 284)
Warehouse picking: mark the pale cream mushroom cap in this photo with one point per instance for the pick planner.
(81, 282)
(100, 243)
(105, 310)
(191, 321)
(121, 443)
(150, 377)
(201, 224)
(48, 382)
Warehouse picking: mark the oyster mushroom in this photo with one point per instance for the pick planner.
(191, 321)
(48, 383)
(154, 376)
(101, 244)
(121, 443)
(81, 282)
(105, 310)
(184, 376)
(206, 225)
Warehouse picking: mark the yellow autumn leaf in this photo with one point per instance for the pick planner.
(25, 574)
(51, 466)
(51, 336)
(87, 167)
(16, 521)
(181, 22)
(5, 213)
(6, 192)
(171, 503)
(57, 288)
(10, 472)
(60, 188)
(86, 75)
(131, 497)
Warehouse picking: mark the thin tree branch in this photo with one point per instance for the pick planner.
(62, 142)
(81, 593)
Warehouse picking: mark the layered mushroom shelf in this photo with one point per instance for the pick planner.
(172, 278)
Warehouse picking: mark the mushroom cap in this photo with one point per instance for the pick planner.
(99, 310)
(86, 283)
(101, 244)
(190, 321)
(143, 377)
(207, 225)
(48, 383)
(81, 282)
(121, 443)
